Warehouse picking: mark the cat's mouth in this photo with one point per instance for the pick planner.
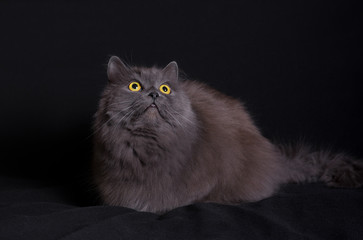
(152, 107)
(153, 112)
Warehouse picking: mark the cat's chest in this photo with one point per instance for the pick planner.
(143, 147)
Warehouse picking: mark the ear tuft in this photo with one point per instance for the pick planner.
(170, 72)
(116, 69)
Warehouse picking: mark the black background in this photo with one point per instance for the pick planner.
(297, 65)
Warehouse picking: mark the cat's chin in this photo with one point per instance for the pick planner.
(152, 113)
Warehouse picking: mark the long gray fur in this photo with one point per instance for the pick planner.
(155, 152)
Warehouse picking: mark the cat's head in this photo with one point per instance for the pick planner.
(139, 97)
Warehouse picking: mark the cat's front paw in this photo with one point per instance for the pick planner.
(344, 172)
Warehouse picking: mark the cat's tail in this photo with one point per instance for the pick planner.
(306, 165)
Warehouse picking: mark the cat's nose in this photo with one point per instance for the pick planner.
(154, 95)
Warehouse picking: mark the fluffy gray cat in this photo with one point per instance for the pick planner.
(162, 141)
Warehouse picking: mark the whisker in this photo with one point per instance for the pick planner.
(171, 115)
(184, 117)
(111, 118)
(127, 115)
(186, 130)
(99, 128)
(121, 103)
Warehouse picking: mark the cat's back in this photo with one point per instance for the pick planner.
(232, 146)
(215, 108)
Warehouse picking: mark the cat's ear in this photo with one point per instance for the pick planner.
(117, 70)
(170, 72)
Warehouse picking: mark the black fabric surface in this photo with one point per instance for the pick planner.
(32, 210)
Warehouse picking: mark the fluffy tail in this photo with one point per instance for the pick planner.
(336, 170)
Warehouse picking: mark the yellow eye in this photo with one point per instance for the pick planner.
(165, 89)
(135, 86)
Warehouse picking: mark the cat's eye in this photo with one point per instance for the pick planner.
(165, 89)
(135, 86)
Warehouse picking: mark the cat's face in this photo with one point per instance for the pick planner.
(146, 97)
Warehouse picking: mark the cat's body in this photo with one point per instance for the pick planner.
(162, 142)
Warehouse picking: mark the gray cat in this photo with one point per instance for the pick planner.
(162, 141)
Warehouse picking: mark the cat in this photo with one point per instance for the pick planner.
(162, 141)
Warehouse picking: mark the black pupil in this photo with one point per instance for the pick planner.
(134, 86)
(165, 89)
